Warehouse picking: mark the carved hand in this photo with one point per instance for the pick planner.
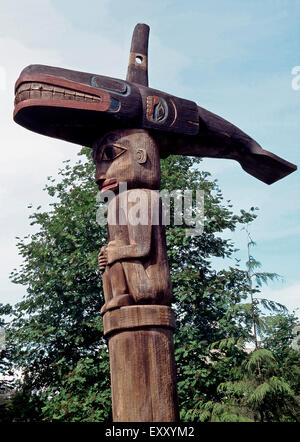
(102, 258)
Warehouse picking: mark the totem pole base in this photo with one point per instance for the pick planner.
(142, 363)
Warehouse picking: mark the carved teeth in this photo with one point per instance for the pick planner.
(34, 86)
(35, 93)
(46, 91)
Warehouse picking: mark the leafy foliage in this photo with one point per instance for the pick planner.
(57, 329)
(268, 396)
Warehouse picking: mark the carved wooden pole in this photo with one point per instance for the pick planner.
(137, 317)
(141, 349)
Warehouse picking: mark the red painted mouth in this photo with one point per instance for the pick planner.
(48, 90)
(111, 183)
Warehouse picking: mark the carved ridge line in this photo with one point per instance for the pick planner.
(133, 317)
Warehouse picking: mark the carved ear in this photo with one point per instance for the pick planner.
(141, 155)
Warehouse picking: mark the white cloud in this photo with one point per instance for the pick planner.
(35, 22)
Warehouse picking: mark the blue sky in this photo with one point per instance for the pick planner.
(234, 58)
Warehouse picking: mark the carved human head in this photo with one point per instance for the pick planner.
(127, 155)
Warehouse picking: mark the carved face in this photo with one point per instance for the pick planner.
(130, 156)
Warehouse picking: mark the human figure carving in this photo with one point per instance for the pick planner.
(135, 260)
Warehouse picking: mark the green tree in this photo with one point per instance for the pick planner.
(261, 394)
(278, 337)
(259, 387)
(206, 299)
(57, 329)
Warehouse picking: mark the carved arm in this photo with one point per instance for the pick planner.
(139, 247)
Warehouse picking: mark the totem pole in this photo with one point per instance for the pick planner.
(130, 127)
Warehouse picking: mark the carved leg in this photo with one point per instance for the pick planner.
(118, 288)
(108, 294)
(107, 290)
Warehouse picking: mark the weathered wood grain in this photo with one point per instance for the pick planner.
(136, 317)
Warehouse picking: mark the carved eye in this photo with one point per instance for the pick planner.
(111, 151)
